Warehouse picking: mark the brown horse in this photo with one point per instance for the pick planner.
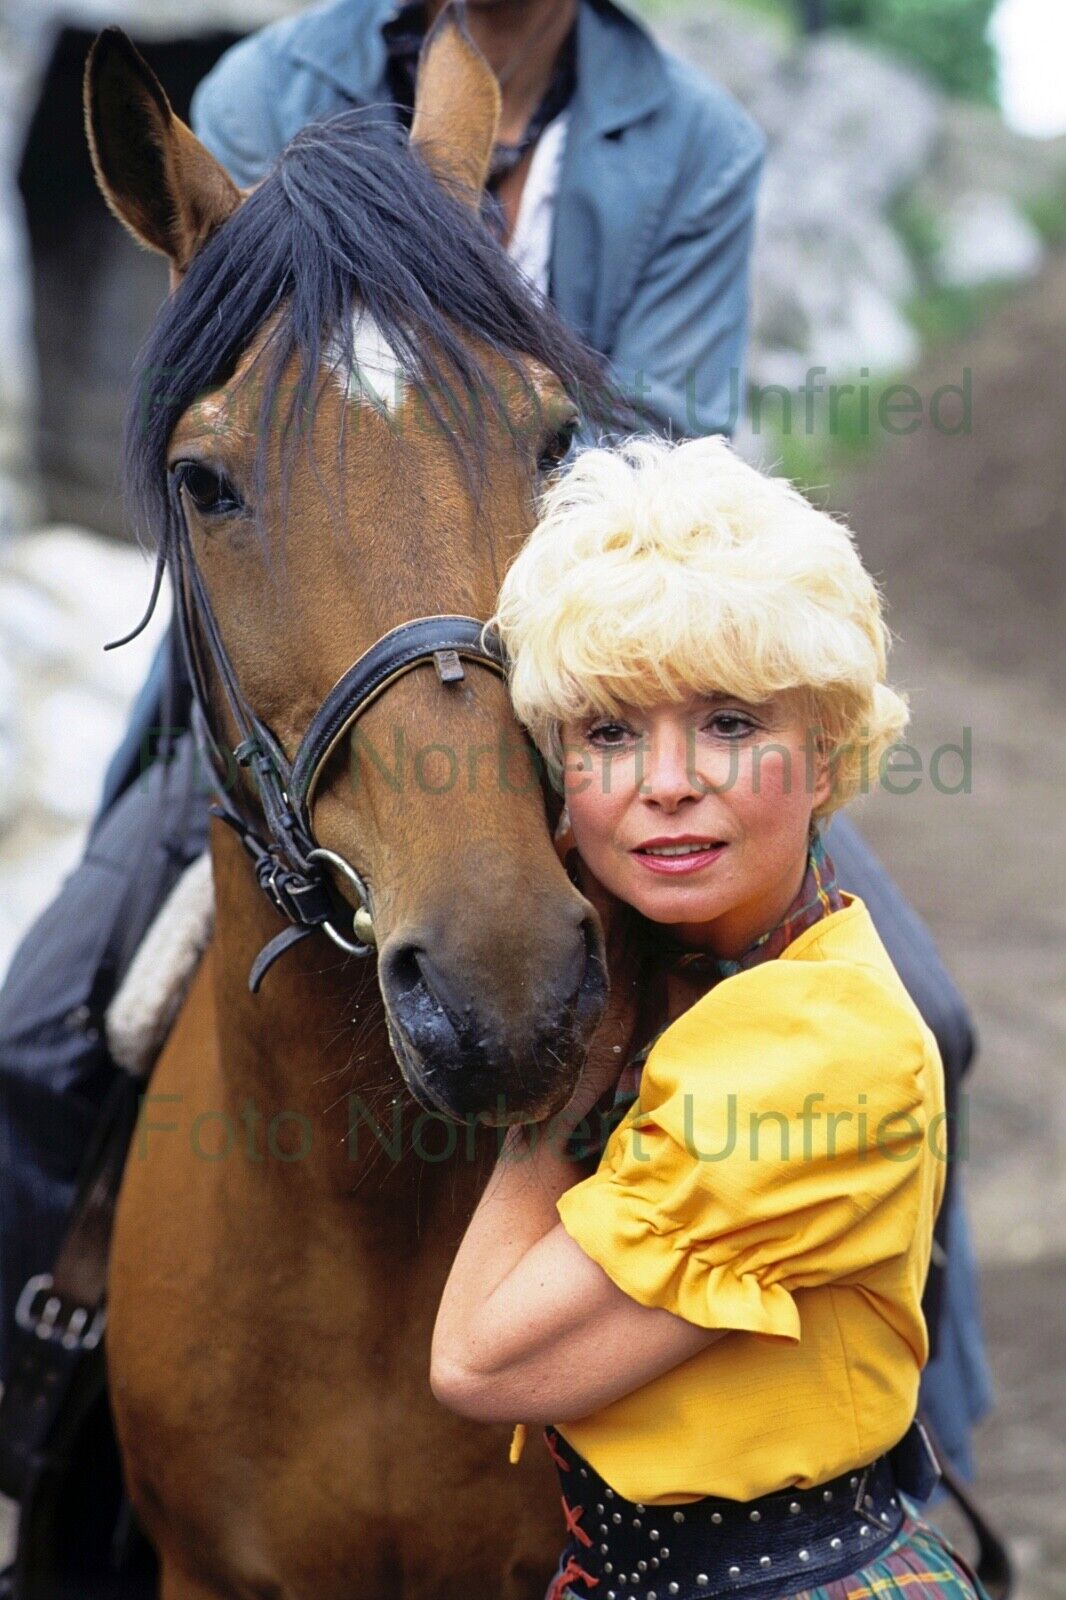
(289, 1209)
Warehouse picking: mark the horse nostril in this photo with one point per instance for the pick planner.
(436, 1022)
(409, 972)
(398, 969)
(464, 1042)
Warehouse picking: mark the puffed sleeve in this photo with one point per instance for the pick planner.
(778, 1144)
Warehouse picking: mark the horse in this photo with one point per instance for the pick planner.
(338, 428)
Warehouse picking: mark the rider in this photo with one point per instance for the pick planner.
(625, 186)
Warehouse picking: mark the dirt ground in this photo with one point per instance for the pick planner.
(968, 536)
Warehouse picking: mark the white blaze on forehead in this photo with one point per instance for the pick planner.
(211, 407)
(376, 375)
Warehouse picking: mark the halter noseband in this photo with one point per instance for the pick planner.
(290, 865)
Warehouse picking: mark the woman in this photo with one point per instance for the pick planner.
(721, 1324)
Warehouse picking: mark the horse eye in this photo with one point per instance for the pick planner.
(210, 491)
(557, 446)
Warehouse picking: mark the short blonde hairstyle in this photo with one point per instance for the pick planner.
(660, 570)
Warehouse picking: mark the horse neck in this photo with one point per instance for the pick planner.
(310, 1053)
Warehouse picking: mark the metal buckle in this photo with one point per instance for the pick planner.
(84, 1328)
(275, 880)
(346, 870)
(270, 883)
(245, 752)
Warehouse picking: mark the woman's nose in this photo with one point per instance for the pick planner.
(669, 776)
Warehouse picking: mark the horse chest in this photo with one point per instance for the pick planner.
(279, 1434)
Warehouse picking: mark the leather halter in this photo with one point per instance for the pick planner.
(290, 865)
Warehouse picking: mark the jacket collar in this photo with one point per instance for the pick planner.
(621, 72)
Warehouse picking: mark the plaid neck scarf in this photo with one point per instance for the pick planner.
(818, 896)
(403, 37)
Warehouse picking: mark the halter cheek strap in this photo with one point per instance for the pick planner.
(292, 869)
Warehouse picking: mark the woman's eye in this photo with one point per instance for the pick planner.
(210, 491)
(557, 446)
(610, 735)
(731, 724)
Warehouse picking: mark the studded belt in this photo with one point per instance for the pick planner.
(777, 1545)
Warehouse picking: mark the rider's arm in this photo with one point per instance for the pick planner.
(679, 346)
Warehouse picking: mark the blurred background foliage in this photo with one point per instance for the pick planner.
(949, 38)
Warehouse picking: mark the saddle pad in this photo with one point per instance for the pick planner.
(144, 1007)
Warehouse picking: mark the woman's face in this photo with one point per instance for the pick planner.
(698, 815)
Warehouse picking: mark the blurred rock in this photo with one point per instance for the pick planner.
(978, 153)
(846, 123)
(10, 756)
(743, 54)
(34, 630)
(986, 239)
(100, 584)
(73, 735)
(852, 132)
(64, 704)
(24, 42)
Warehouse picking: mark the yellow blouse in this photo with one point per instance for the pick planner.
(779, 1175)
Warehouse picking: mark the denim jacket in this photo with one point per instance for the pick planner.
(653, 226)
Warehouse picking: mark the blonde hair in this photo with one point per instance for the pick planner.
(660, 570)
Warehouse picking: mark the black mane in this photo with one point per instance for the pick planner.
(348, 217)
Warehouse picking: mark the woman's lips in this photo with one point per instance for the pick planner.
(672, 866)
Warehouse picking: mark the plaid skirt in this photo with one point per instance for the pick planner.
(919, 1564)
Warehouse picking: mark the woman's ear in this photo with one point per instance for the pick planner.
(820, 770)
(564, 835)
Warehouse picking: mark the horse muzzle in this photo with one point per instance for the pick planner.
(470, 1055)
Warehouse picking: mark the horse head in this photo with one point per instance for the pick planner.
(339, 423)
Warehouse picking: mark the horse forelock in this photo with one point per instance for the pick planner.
(354, 255)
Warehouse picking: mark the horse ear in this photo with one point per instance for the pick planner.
(158, 179)
(457, 105)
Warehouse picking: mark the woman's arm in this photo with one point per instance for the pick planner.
(529, 1326)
